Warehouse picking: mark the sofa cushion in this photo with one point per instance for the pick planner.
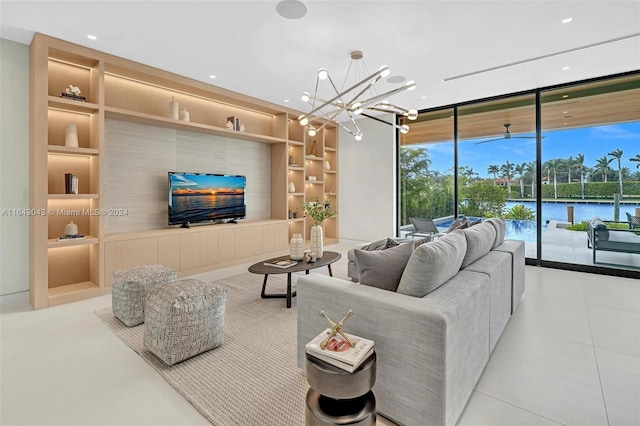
(454, 225)
(501, 229)
(433, 264)
(421, 241)
(480, 239)
(383, 268)
(601, 228)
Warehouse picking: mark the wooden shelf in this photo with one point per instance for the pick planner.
(313, 158)
(296, 168)
(330, 172)
(74, 292)
(73, 196)
(329, 149)
(87, 240)
(59, 149)
(296, 194)
(296, 143)
(298, 219)
(71, 105)
(154, 120)
(315, 182)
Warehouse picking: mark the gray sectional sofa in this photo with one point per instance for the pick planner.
(434, 334)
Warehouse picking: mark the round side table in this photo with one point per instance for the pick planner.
(337, 397)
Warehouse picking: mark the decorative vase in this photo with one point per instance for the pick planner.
(173, 108)
(71, 229)
(296, 248)
(292, 187)
(327, 165)
(317, 236)
(292, 161)
(71, 138)
(184, 114)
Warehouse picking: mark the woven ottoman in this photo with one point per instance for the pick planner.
(130, 286)
(183, 319)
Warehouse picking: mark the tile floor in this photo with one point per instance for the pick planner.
(570, 355)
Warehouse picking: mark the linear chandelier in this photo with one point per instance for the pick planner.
(354, 101)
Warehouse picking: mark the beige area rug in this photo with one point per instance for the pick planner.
(252, 379)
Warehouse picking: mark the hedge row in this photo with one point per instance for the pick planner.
(591, 190)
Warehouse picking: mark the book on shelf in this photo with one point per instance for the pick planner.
(281, 263)
(70, 237)
(339, 352)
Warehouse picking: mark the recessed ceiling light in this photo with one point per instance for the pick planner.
(565, 112)
(291, 9)
(565, 68)
(565, 96)
(212, 76)
(423, 97)
(567, 20)
(92, 37)
(286, 100)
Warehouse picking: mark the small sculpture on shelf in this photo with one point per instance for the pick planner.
(311, 149)
(73, 92)
(336, 328)
(292, 161)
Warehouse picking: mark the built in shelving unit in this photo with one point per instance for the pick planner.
(115, 88)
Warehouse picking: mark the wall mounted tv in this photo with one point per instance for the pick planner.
(205, 198)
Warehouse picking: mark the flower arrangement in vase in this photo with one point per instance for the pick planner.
(318, 212)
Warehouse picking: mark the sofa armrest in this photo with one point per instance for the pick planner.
(431, 350)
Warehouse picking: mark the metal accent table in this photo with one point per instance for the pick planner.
(337, 397)
(327, 259)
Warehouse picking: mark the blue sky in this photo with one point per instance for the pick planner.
(593, 142)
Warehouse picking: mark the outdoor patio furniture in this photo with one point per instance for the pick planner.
(601, 237)
(634, 221)
(422, 226)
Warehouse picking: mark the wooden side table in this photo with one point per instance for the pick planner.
(337, 397)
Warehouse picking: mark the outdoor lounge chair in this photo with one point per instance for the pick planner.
(601, 237)
(422, 227)
(634, 221)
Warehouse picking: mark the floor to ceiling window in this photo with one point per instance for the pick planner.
(426, 157)
(590, 159)
(480, 159)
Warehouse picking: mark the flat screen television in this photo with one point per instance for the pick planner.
(205, 197)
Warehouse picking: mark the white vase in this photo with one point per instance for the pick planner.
(71, 229)
(327, 165)
(71, 138)
(296, 248)
(184, 114)
(317, 236)
(292, 187)
(173, 108)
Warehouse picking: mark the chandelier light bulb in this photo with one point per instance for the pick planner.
(303, 120)
(305, 96)
(312, 131)
(404, 129)
(411, 85)
(323, 73)
(358, 136)
(384, 71)
(357, 108)
(412, 115)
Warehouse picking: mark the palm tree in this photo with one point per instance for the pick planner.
(636, 159)
(570, 163)
(617, 154)
(520, 169)
(494, 170)
(531, 169)
(553, 166)
(507, 171)
(602, 166)
(580, 164)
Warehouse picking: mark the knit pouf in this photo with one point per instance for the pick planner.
(129, 288)
(183, 319)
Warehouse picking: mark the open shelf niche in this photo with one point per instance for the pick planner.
(115, 88)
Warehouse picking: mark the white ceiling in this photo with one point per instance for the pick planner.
(253, 50)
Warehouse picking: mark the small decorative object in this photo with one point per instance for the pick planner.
(173, 108)
(292, 161)
(292, 187)
(71, 138)
(311, 149)
(229, 125)
(311, 258)
(242, 128)
(290, 214)
(295, 215)
(73, 92)
(327, 165)
(336, 328)
(296, 248)
(318, 212)
(71, 229)
(70, 183)
(184, 114)
(312, 178)
(235, 123)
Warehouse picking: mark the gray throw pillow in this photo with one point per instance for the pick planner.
(480, 239)
(433, 264)
(500, 227)
(390, 243)
(454, 225)
(383, 268)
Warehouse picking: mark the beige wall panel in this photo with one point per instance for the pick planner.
(68, 265)
(126, 254)
(169, 251)
(226, 245)
(208, 247)
(190, 251)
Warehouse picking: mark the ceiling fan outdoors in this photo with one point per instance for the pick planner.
(506, 135)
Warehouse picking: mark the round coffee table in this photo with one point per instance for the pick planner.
(327, 259)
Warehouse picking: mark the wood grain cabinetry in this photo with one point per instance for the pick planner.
(115, 88)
